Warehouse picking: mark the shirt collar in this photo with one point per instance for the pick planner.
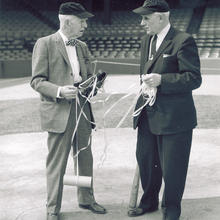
(164, 32)
(65, 39)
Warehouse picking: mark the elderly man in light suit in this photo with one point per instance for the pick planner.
(169, 65)
(59, 62)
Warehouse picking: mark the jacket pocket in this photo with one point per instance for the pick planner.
(170, 64)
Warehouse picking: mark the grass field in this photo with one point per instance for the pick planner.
(18, 116)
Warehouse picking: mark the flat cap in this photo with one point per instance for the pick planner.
(151, 6)
(73, 8)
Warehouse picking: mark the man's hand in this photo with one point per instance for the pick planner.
(68, 92)
(152, 79)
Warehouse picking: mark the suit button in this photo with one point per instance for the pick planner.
(71, 74)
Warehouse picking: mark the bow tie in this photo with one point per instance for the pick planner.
(72, 42)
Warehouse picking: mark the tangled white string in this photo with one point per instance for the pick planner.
(149, 94)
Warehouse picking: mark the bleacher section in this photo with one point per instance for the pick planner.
(208, 37)
(20, 20)
(121, 39)
(118, 40)
(17, 27)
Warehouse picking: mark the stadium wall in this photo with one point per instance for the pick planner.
(22, 68)
(15, 68)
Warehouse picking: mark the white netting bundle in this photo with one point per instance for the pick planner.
(149, 93)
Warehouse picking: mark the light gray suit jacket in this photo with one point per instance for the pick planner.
(50, 69)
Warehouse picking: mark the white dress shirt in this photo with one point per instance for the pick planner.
(72, 55)
(71, 52)
(162, 35)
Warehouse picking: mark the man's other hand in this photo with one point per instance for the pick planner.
(152, 79)
(68, 92)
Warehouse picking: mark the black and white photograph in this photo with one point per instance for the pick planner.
(109, 109)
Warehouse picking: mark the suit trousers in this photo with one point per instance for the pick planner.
(59, 145)
(162, 156)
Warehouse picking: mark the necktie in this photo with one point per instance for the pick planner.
(72, 42)
(153, 46)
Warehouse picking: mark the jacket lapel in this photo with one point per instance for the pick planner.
(146, 49)
(83, 71)
(61, 47)
(166, 42)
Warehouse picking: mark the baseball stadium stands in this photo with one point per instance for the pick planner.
(208, 37)
(121, 39)
(118, 40)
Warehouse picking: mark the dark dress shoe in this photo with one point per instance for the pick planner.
(94, 207)
(51, 216)
(167, 218)
(140, 211)
(164, 218)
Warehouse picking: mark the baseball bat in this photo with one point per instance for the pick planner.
(134, 191)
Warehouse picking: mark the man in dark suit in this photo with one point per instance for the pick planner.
(59, 62)
(170, 68)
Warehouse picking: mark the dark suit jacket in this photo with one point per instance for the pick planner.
(50, 69)
(178, 63)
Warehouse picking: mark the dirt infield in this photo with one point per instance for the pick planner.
(23, 177)
(22, 166)
(195, 209)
